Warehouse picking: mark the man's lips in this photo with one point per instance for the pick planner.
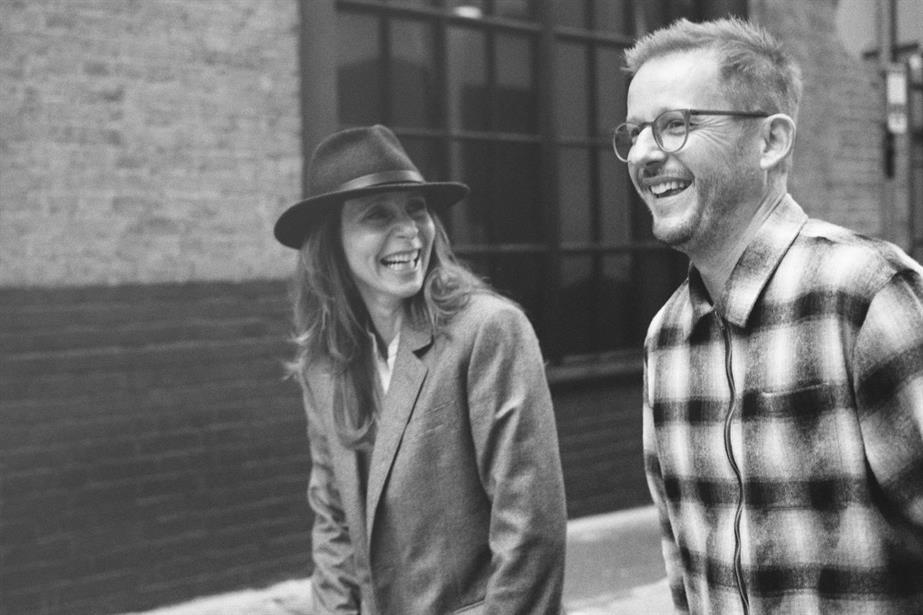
(665, 186)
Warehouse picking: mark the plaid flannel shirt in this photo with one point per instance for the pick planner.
(783, 430)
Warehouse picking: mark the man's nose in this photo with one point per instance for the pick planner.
(645, 148)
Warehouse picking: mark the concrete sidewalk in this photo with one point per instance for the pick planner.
(613, 567)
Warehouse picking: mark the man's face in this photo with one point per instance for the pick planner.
(710, 188)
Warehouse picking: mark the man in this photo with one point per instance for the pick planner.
(783, 409)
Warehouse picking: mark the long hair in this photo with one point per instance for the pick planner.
(332, 324)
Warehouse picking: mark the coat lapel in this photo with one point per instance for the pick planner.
(406, 381)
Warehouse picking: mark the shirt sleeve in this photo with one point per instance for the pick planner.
(516, 444)
(888, 380)
(334, 585)
(671, 554)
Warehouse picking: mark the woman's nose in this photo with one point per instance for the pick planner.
(406, 225)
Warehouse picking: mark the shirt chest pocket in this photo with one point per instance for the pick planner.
(802, 432)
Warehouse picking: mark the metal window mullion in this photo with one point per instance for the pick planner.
(596, 268)
(492, 114)
(440, 32)
(384, 59)
(550, 205)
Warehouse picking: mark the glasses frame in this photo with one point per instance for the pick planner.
(686, 113)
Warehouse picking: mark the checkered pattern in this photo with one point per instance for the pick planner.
(783, 431)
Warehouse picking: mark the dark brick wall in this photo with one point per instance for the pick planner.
(599, 428)
(150, 451)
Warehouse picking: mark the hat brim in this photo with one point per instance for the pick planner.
(295, 222)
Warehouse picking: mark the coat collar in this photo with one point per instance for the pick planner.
(397, 407)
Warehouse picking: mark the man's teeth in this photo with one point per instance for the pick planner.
(670, 186)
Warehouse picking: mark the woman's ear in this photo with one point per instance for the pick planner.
(777, 138)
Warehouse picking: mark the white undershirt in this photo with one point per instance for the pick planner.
(385, 367)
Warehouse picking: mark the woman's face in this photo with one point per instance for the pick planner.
(388, 239)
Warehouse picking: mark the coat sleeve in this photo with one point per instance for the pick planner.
(671, 554)
(888, 380)
(334, 585)
(516, 445)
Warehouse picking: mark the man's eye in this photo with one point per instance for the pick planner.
(673, 125)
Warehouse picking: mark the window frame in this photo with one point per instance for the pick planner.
(319, 19)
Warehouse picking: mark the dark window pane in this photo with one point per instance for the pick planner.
(716, 9)
(608, 304)
(571, 89)
(469, 105)
(515, 206)
(569, 13)
(426, 153)
(509, 9)
(612, 85)
(619, 326)
(516, 92)
(471, 165)
(515, 9)
(615, 200)
(424, 3)
(576, 330)
(520, 276)
(358, 68)
(503, 206)
(613, 16)
(413, 75)
(574, 192)
(652, 276)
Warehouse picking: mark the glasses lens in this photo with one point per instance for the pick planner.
(623, 137)
(670, 130)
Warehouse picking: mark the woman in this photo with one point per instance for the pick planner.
(436, 479)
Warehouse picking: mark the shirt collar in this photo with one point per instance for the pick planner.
(755, 267)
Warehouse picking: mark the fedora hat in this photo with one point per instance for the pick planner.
(353, 162)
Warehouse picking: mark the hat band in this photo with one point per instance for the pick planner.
(384, 177)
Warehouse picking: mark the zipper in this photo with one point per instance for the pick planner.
(729, 451)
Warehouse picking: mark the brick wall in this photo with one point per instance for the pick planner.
(146, 141)
(601, 451)
(150, 450)
(837, 173)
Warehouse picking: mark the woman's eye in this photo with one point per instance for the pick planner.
(416, 207)
(375, 214)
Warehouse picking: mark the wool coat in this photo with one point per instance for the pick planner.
(464, 508)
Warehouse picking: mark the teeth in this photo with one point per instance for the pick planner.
(663, 188)
(401, 260)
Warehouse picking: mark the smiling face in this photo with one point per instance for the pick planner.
(388, 239)
(702, 194)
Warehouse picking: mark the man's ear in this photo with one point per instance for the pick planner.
(777, 138)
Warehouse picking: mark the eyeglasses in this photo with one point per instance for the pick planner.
(670, 129)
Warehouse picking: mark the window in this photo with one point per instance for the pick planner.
(516, 98)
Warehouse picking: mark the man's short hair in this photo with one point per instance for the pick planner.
(757, 72)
